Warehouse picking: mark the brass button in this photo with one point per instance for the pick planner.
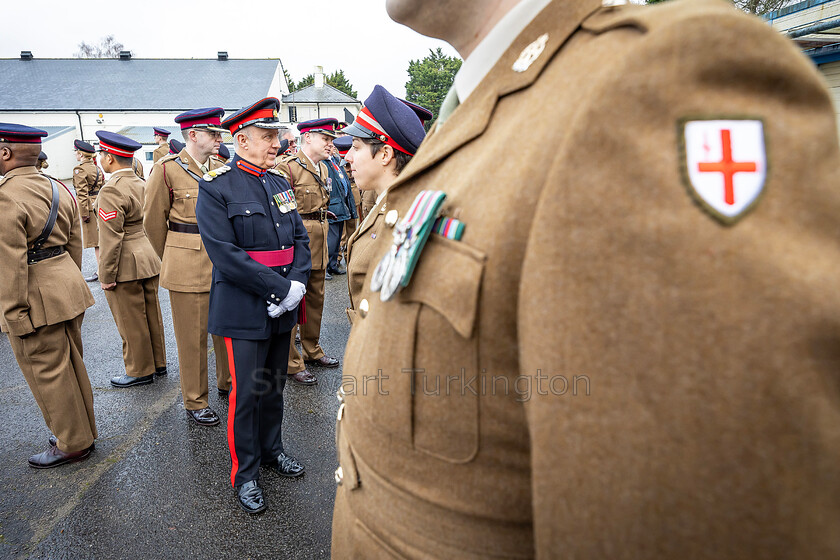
(364, 307)
(339, 476)
(188, 195)
(391, 218)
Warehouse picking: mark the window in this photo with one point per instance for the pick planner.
(292, 114)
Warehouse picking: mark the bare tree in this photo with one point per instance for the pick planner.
(107, 48)
(755, 7)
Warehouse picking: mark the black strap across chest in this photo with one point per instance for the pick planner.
(48, 227)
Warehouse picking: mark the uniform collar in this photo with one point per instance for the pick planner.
(25, 170)
(494, 45)
(249, 167)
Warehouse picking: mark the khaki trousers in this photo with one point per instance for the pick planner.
(136, 310)
(311, 331)
(189, 318)
(51, 362)
(349, 228)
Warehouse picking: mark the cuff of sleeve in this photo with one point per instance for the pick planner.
(21, 327)
(277, 290)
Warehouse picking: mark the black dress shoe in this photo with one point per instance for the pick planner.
(338, 271)
(128, 381)
(286, 465)
(324, 361)
(54, 457)
(203, 417)
(54, 441)
(304, 377)
(223, 392)
(161, 371)
(327, 275)
(92, 278)
(250, 497)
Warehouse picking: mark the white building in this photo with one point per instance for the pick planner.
(72, 98)
(815, 26)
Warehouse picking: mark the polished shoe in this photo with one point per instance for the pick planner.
(54, 457)
(250, 497)
(327, 275)
(54, 441)
(304, 377)
(128, 381)
(92, 278)
(324, 361)
(338, 271)
(161, 371)
(286, 465)
(203, 417)
(223, 392)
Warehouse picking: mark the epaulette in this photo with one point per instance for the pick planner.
(217, 158)
(287, 158)
(210, 175)
(167, 157)
(278, 172)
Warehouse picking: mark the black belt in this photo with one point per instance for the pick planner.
(183, 228)
(93, 193)
(320, 216)
(37, 255)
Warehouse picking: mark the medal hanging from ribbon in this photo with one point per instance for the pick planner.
(285, 201)
(395, 269)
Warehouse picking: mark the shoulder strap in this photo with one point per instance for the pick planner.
(48, 227)
(187, 169)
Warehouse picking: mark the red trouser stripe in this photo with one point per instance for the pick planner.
(232, 412)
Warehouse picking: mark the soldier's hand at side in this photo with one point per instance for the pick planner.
(296, 293)
(108, 287)
(86, 219)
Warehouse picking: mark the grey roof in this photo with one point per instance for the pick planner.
(146, 134)
(312, 94)
(109, 84)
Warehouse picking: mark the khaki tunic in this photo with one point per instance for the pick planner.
(367, 203)
(360, 248)
(127, 258)
(137, 167)
(620, 374)
(160, 152)
(43, 304)
(87, 180)
(186, 270)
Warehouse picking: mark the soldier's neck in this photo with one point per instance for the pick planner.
(311, 157)
(196, 158)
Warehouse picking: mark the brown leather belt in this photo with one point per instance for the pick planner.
(321, 215)
(183, 228)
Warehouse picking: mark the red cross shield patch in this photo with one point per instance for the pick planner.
(725, 165)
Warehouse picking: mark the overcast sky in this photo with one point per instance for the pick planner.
(357, 37)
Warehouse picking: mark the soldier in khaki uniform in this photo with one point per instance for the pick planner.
(137, 167)
(162, 140)
(308, 175)
(621, 343)
(87, 180)
(342, 145)
(129, 267)
(170, 223)
(43, 296)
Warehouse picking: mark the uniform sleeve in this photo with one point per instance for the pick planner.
(14, 274)
(156, 207)
(80, 183)
(229, 259)
(110, 213)
(647, 313)
(302, 265)
(74, 240)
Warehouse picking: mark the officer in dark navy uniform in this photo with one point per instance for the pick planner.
(260, 252)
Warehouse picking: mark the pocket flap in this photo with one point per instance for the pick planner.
(244, 209)
(448, 279)
(183, 240)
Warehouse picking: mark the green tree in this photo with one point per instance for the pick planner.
(430, 79)
(289, 81)
(305, 81)
(337, 80)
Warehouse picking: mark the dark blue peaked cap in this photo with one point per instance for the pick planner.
(20, 134)
(117, 144)
(387, 119)
(161, 131)
(422, 113)
(224, 153)
(175, 146)
(343, 143)
(83, 146)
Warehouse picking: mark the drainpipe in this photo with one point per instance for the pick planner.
(81, 128)
(816, 28)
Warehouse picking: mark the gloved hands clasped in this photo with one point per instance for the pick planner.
(292, 299)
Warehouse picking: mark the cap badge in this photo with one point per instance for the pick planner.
(530, 54)
(724, 166)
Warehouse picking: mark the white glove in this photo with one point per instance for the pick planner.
(275, 310)
(296, 293)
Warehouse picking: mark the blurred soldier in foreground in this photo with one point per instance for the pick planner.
(623, 342)
(186, 270)
(260, 253)
(43, 295)
(129, 267)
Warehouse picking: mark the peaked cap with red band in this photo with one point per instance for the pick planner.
(422, 113)
(262, 114)
(117, 144)
(324, 126)
(208, 118)
(343, 144)
(83, 146)
(389, 120)
(161, 132)
(175, 146)
(20, 134)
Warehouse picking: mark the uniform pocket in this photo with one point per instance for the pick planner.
(445, 390)
(244, 216)
(183, 203)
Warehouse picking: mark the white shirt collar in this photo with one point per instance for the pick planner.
(493, 46)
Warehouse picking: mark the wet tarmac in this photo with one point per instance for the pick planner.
(158, 485)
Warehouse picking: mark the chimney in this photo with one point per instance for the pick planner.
(125, 55)
(26, 55)
(222, 55)
(319, 76)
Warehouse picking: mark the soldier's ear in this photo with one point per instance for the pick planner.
(5, 153)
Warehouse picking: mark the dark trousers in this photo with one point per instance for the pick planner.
(334, 243)
(255, 413)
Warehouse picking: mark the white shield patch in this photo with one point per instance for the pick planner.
(726, 165)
